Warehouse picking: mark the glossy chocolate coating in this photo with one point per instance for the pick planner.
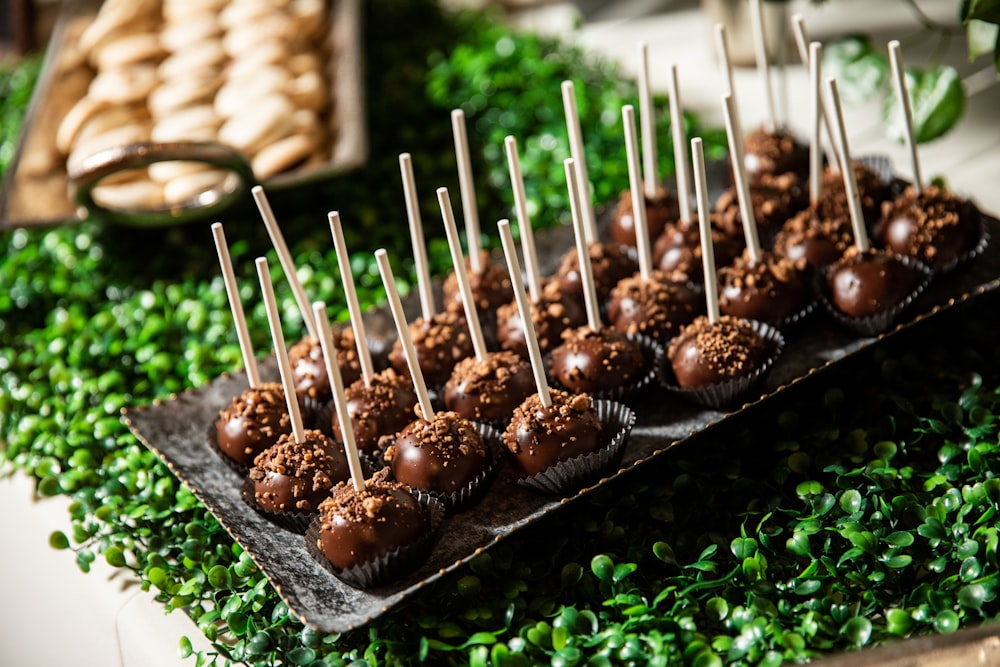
(773, 152)
(551, 315)
(539, 437)
(440, 343)
(443, 455)
(661, 209)
(378, 410)
(490, 287)
(309, 368)
(869, 283)
(357, 528)
(833, 197)
(677, 252)
(597, 361)
(705, 354)
(770, 290)
(295, 476)
(609, 262)
(934, 227)
(252, 422)
(774, 199)
(657, 307)
(488, 390)
(813, 239)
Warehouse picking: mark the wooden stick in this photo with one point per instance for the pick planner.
(582, 248)
(763, 66)
(285, 258)
(353, 307)
(650, 178)
(523, 220)
(339, 397)
(470, 212)
(681, 163)
(899, 79)
(736, 155)
(468, 300)
(638, 198)
(424, 285)
(579, 156)
(802, 45)
(236, 306)
(403, 330)
(722, 51)
(815, 118)
(705, 225)
(280, 351)
(850, 181)
(521, 298)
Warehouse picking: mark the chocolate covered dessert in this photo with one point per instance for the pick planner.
(551, 315)
(440, 343)
(489, 389)
(309, 369)
(869, 283)
(775, 198)
(819, 241)
(610, 262)
(677, 252)
(442, 455)
(935, 226)
(252, 422)
(706, 354)
(490, 287)
(832, 202)
(379, 409)
(538, 437)
(296, 477)
(773, 289)
(657, 307)
(767, 152)
(359, 528)
(661, 209)
(597, 361)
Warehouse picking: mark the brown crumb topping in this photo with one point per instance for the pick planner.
(567, 408)
(452, 435)
(368, 506)
(936, 215)
(262, 408)
(730, 347)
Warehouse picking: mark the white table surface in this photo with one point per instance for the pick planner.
(101, 619)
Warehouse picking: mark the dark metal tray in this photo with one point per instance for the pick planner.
(175, 430)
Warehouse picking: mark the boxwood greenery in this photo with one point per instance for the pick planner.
(859, 509)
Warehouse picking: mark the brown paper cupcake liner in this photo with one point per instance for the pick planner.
(966, 258)
(392, 565)
(652, 355)
(572, 474)
(724, 393)
(879, 322)
(297, 522)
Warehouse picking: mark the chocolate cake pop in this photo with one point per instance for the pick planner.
(296, 477)
(771, 289)
(610, 263)
(774, 152)
(551, 315)
(379, 409)
(252, 422)
(933, 226)
(490, 287)
(661, 209)
(656, 308)
(540, 436)
(677, 252)
(775, 198)
(806, 237)
(708, 353)
(832, 203)
(440, 343)
(359, 527)
(306, 357)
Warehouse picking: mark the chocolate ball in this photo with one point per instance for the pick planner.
(934, 226)
(868, 283)
(444, 454)
(361, 527)
(488, 390)
(816, 240)
(252, 422)
(774, 199)
(309, 367)
(833, 196)
(379, 409)
(292, 476)
(440, 343)
(706, 354)
(609, 262)
(660, 210)
(538, 437)
(490, 287)
(767, 152)
(597, 361)
(657, 307)
(551, 315)
(677, 252)
(770, 290)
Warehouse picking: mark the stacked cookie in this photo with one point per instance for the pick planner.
(249, 74)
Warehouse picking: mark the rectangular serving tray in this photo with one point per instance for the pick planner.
(175, 430)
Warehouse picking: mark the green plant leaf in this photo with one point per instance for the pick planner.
(860, 70)
(937, 101)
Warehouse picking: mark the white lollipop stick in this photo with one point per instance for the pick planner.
(705, 225)
(638, 198)
(802, 45)
(424, 285)
(722, 52)
(285, 258)
(523, 220)
(339, 397)
(462, 276)
(353, 307)
(534, 352)
(576, 151)
(763, 67)
(582, 248)
(236, 306)
(648, 121)
(470, 213)
(735, 137)
(850, 181)
(899, 78)
(816, 115)
(280, 351)
(681, 164)
(403, 329)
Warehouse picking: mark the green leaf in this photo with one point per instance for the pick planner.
(603, 567)
(743, 547)
(860, 70)
(900, 538)
(981, 37)
(982, 10)
(864, 540)
(898, 562)
(946, 621)
(115, 556)
(58, 540)
(850, 501)
(858, 630)
(937, 102)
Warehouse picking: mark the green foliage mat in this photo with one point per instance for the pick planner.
(857, 512)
